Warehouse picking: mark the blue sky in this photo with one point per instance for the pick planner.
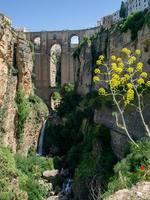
(38, 15)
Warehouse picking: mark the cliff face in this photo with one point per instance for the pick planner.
(16, 65)
(108, 43)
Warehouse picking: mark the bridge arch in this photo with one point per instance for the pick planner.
(55, 65)
(42, 58)
(37, 43)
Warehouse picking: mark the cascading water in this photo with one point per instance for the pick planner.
(41, 139)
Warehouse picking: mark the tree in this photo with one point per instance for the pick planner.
(122, 10)
(124, 80)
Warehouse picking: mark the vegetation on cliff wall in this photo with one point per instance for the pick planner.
(23, 111)
(25, 106)
(19, 176)
(133, 22)
(135, 167)
(84, 145)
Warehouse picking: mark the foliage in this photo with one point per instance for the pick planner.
(87, 41)
(147, 18)
(134, 22)
(33, 165)
(31, 45)
(68, 88)
(133, 168)
(124, 81)
(19, 176)
(68, 103)
(32, 168)
(56, 96)
(23, 111)
(122, 10)
(34, 190)
(9, 176)
(95, 163)
(38, 105)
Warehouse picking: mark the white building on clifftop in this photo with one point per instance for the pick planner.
(137, 5)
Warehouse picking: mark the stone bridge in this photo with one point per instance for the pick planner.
(44, 68)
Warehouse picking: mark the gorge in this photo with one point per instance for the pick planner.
(80, 133)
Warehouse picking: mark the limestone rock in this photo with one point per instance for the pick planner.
(139, 192)
(50, 174)
(53, 198)
(16, 65)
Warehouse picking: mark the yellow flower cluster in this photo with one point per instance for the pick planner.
(119, 59)
(97, 71)
(130, 70)
(140, 81)
(101, 57)
(129, 96)
(124, 79)
(121, 64)
(144, 74)
(113, 58)
(115, 81)
(98, 62)
(122, 71)
(96, 79)
(127, 76)
(148, 83)
(131, 60)
(130, 85)
(126, 51)
(137, 51)
(102, 91)
(139, 66)
(118, 69)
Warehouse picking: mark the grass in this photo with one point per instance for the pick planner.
(135, 167)
(19, 176)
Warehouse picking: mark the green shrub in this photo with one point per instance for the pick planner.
(128, 171)
(39, 106)
(33, 165)
(68, 88)
(74, 156)
(147, 18)
(8, 174)
(56, 96)
(32, 168)
(23, 111)
(33, 188)
(134, 22)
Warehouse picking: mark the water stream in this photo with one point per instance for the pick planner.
(41, 139)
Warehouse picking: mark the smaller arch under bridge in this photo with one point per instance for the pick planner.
(44, 68)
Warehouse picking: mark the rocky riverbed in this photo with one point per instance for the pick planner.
(59, 183)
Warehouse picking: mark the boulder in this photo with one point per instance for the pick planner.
(53, 198)
(49, 174)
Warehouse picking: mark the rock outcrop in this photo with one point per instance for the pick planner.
(138, 192)
(16, 65)
(109, 43)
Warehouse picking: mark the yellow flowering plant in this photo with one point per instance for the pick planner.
(124, 80)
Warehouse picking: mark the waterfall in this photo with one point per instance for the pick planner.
(41, 139)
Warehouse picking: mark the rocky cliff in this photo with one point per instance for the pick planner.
(16, 64)
(110, 43)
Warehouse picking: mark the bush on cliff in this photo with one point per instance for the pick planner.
(132, 169)
(23, 111)
(19, 176)
(9, 177)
